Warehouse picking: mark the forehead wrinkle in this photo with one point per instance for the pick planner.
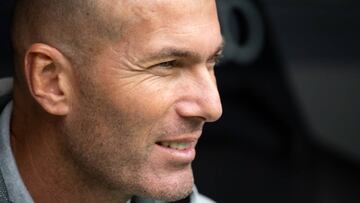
(182, 30)
(151, 11)
(160, 28)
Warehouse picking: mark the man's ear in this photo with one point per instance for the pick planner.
(48, 74)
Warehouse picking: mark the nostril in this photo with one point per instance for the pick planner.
(206, 110)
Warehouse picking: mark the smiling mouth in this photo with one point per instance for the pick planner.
(181, 150)
(176, 145)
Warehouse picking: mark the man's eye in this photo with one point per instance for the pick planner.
(215, 60)
(167, 64)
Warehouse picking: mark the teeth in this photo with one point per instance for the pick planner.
(176, 145)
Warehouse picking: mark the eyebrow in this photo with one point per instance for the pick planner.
(173, 52)
(169, 52)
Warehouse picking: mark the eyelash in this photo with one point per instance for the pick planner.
(167, 64)
(174, 63)
(217, 59)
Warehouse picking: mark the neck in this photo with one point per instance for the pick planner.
(46, 169)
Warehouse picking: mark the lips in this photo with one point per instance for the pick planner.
(180, 143)
(180, 149)
(177, 145)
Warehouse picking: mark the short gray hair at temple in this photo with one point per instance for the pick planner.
(77, 28)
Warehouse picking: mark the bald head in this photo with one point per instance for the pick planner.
(76, 28)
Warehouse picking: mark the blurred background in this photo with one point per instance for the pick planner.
(290, 86)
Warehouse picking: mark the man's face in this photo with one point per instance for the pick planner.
(139, 111)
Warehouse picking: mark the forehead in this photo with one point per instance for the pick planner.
(160, 12)
(145, 9)
(159, 23)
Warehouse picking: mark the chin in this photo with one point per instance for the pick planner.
(169, 188)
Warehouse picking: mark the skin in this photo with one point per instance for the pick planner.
(92, 134)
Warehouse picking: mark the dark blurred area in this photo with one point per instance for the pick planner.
(6, 7)
(290, 86)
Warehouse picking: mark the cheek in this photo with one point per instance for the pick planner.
(127, 110)
(147, 101)
(105, 141)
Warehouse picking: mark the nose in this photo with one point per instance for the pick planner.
(201, 96)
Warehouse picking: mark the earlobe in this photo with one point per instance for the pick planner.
(47, 73)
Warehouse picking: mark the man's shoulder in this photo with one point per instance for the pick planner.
(4, 196)
(5, 97)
